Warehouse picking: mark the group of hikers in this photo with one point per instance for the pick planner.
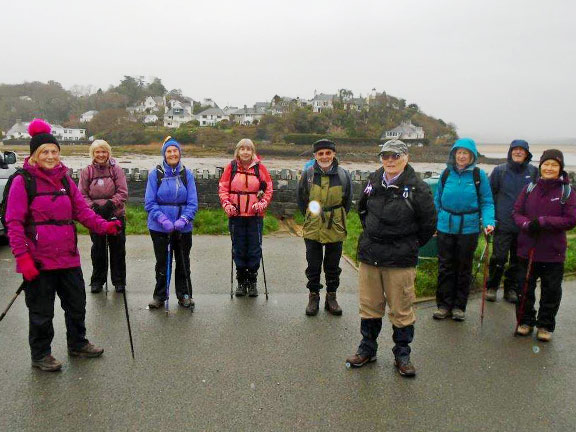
(527, 211)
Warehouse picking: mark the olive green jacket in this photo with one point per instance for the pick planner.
(334, 197)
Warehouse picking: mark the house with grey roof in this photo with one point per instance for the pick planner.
(405, 131)
(355, 104)
(322, 101)
(211, 116)
(176, 117)
(88, 116)
(246, 116)
(154, 103)
(18, 131)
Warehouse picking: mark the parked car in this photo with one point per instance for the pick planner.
(6, 159)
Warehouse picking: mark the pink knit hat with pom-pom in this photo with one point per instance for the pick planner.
(39, 130)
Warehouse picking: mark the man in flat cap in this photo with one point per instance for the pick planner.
(398, 215)
(324, 198)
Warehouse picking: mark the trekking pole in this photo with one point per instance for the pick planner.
(486, 260)
(262, 257)
(168, 274)
(106, 252)
(188, 278)
(14, 297)
(128, 323)
(232, 262)
(520, 314)
(479, 264)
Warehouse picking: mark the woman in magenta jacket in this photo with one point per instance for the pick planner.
(544, 211)
(104, 188)
(43, 203)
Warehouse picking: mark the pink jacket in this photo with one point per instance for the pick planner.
(52, 246)
(246, 185)
(100, 183)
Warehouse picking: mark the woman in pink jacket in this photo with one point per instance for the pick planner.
(43, 203)
(245, 191)
(103, 186)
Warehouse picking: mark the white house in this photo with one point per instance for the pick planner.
(154, 103)
(150, 118)
(88, 116)
(246, 116)
(229, 110)
(211, 116)
(406, 130)
(178, 105)
(176, 117)
(322, 101)
(68, 134)
(18, 131)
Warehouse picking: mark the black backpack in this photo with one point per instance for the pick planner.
(234, 164)
(475, 175)
(30, 185)
(566, 191)
(160, 174)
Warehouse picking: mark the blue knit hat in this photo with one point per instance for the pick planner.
(169, 141)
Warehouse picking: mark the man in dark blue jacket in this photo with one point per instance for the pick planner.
(507, 181)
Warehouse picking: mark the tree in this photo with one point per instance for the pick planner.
(156, 88)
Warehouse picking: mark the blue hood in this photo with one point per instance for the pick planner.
(524, 145)
(465, 143)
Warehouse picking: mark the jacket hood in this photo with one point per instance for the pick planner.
(525, 146)
(465, 143)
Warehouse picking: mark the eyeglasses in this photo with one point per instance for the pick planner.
(386, 156)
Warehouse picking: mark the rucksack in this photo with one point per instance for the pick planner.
(30, 185)
(566, 191)
(341, 175)
(234, 165)
(160, 174)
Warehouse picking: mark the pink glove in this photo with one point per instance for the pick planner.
(167, 225)
(180, 224)
(27, 267)
(113, 227)
(230, 209)
(260, 206)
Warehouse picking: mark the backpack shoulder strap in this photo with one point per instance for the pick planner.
(566, 191)
(343, 178)
(310, 177)
(234, 166)
(444, 177)
(66, 184)
(530, 187)
(257, 171)
(159, 175)
(183, 176)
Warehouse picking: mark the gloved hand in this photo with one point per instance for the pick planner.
(108, 209)
(534, 227)
(180, 223)
(166, 223)
(27, 267)
(97, 209)
(113, 227)
(259, 206)
(230, 209)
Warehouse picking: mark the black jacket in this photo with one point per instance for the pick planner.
(397, 220)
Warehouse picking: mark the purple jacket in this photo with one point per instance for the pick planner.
(100, 183)
(51, 246)
(555, 218)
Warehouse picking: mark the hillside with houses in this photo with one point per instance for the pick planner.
(138, 112)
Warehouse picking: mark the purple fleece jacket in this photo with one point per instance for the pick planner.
(51, 246)
(100, 183)
(543, 203)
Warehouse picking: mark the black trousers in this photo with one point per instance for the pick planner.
(246, 235)
(504, 251)
(40, 296)
(181, 244)
(551, 275)
(117, 248)
(455, 256)
(328, 254)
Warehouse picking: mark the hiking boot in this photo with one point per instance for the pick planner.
(358, 360)
(331, 305)
(313, 303)
(47, 364)
(155, 304)
(491, 295)
(241, 289)
(87, 351)
(524, 330)
(544, 335)
(510, 296)
(120, 288)
(185, 301)
(458, 315)
(441, 313)
(96, 288)
(405, 367)
(252, 289)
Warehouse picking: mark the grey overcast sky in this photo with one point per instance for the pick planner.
(499, 69)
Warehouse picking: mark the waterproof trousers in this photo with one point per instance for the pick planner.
(40, 295)
(116, 260)
(455, 257)
(327, 255)
(551, 275)
(504, 252)
(246, 235)
(181, 244)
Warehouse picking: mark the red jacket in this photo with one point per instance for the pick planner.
(242, 190)
(52, 246)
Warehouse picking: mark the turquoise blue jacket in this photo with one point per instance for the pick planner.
(459, 207)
